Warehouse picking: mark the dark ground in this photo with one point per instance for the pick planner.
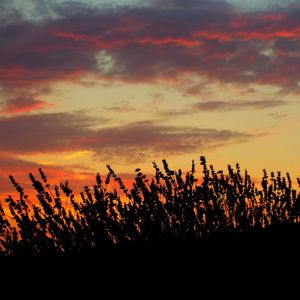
(234, 260)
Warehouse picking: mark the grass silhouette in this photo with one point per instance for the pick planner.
(159, 214)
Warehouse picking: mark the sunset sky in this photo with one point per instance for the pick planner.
(91, 82)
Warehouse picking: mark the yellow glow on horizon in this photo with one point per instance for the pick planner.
(46, 162)
(77, 154)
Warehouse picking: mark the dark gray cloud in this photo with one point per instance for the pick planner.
(46, 133)
(43, 132)
(218, 5)
(9, 163)
(222, 106)
(161, 138)
(236, 105)
(121, 108)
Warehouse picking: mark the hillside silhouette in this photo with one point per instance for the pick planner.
(172, 215)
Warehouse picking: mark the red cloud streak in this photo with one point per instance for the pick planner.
(24, 105)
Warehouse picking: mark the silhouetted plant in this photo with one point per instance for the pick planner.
(170, 206)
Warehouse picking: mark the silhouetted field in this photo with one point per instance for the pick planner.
(170, 216)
